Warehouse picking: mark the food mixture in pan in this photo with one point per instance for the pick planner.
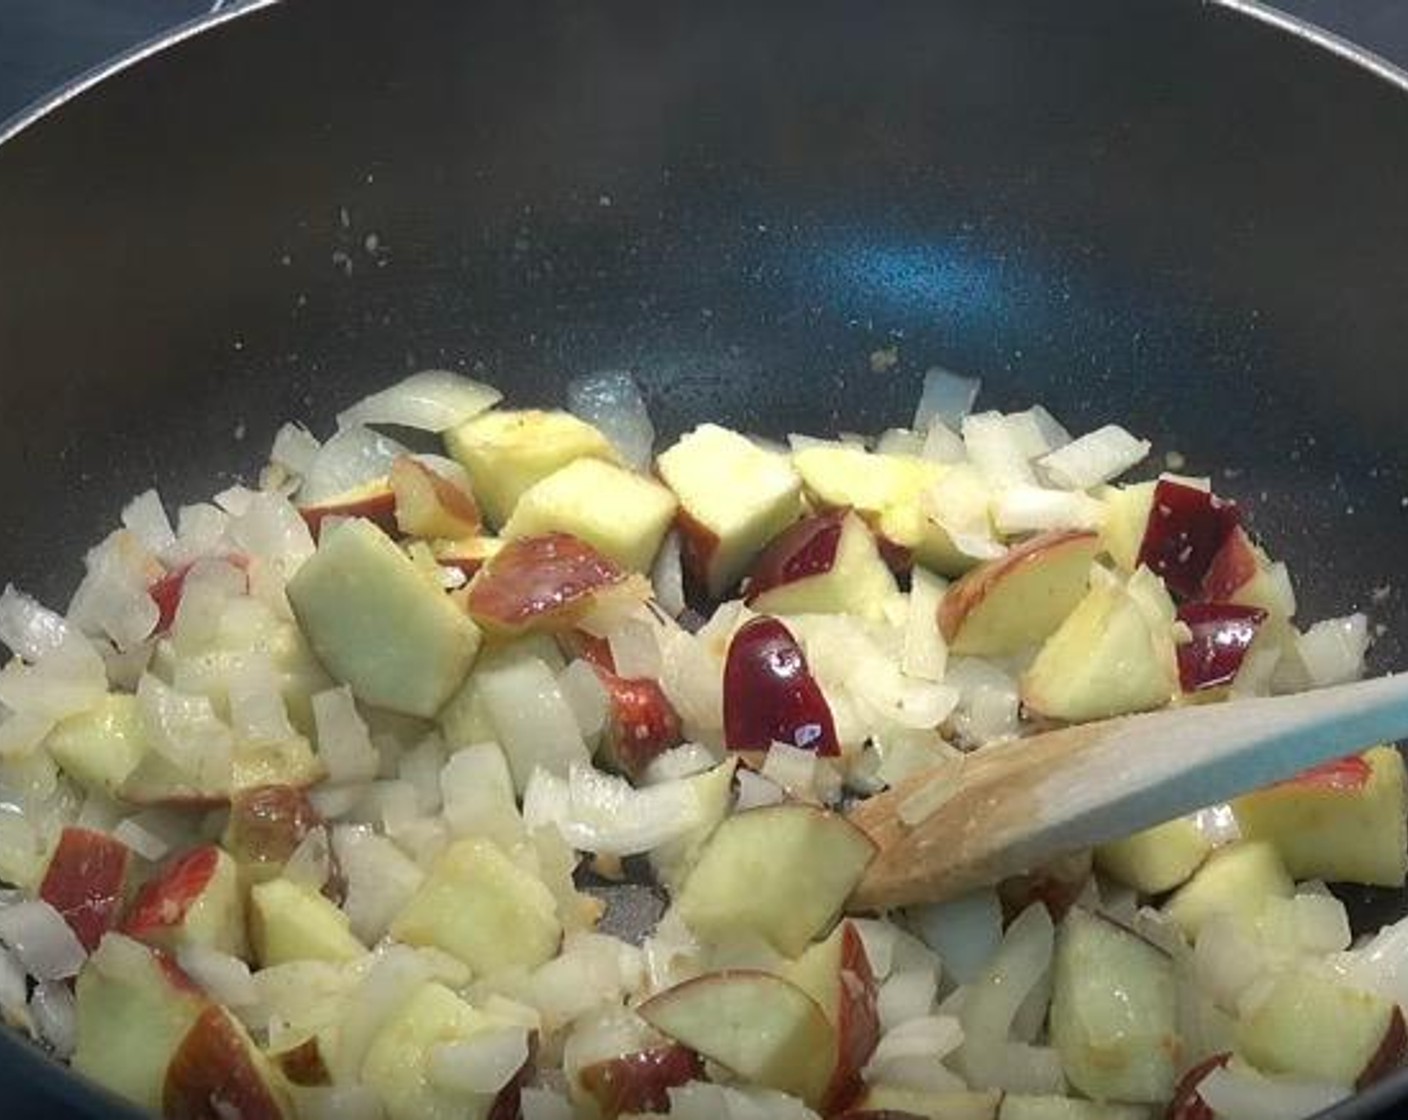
(299, 797)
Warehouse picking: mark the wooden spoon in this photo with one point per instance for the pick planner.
(1013, 806)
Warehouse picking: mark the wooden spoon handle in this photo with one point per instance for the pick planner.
(1009, 807)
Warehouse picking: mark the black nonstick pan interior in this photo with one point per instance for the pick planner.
(1158, 212)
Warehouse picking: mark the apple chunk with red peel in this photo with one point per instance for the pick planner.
(764, 1028)
(1241, 572)
(544, 583)
(102, 746)
(86, 882)
(266, 825)
(1114, 1011)
(468, 555)
(194, 900)
(1309, 1026)
(836, 973)
(640, 1082)
(622, 514)
(1219, 636)
(1345, 821)
(218, 1072)
(430, 505)
(507, 451)
(641, 723)
(770, 695)
(377, 624)
(1114, 654)
(1017, 600)
(826, 563)
(781, 871)
(1186, 528)
(373, 501)
(734, 497)
(134, 1006)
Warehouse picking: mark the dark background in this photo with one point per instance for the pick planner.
(43, 43)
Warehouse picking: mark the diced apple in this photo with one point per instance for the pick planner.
(134, 1007)
(893, 1100)
(195, 900)
(506, 452)
(1017, 600)
(770, 695)
(836, 973)
(673, 861)
(430, 505)
(826, 563)
(782, 872)
(468, 555)
(378, 625)
(1113, 654)
(400, 1062)
(1241, 572)
(481, 907)
(1186, 528)
(86, 882)
(544, 583)
(1309, 1026)
(766, 1030)
(1114, 1011)
(218, 1071)
(1126, 518)
(622, 514)
(290, 922)
(640, 1082)
(734, 497)
(1156, 859)
(1219, 636)
(1019, 1107)
(1346, 821)
(101, 746)
(1235, 880)
(266, 824)
(167, 590)
(641, 723)
(373, 501)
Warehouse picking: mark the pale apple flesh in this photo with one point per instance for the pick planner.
(195, 900)
(290, 922)
(375, 501)
(218, 1070)
(827, 563)
(430, 505)
(1235, 880)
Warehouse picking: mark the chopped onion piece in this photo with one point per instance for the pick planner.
(186, 731)
(344, 744)
(958, 504)
(54, 1012)
(294, 449)
(667, 576)
(225, 977)
(925, 651)
(393, 978)
(63, 682)
(793, 769)
(338, 1102)
(544, 1104)
(38, 935)
(612, 402)
(996, 451)
(946, 397)
(481, 1064)
(683, 761)
(907, 996)
(755, 791)
(534, 723)
(600, 813)
(899, 441)
(703, 1100)
(942, 444)
(140, 839)
(1096, 457)
(1033, 509)
(380, 879)
(270, 527)
(13, 986)
(29, 629)
(1332, 651)
(477, 789)
(635, 648)
(988, 705)
(146, 519)
(352, 458)
(432, 401)
(112, 599)
(1241, 1093)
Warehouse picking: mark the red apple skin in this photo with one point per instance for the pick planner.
(540, 582)
(641, 722)
(1187, 526)
(211, 1076)
(805, 548)
(1186, 1103)
(698, 544)
(1235, 564)
(267, 823)
(162, 902)
(639, 1082)
(1222, 634)
(770, 694)
(1390, 1054)
(86, 882)
(1342, 775)
(303, 1064)
(425, 500)
(590, 648)
(857, 1026)
(376, 502)
(166, 589)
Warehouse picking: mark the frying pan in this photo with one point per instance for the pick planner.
(1186, 217)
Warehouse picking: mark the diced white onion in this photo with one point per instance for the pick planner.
(996, 451)
(145, 843)
(270, 527)
(1332, 651)
(946, 397)
(112, 599)
(1034, 509)
(667, 576)
(13, 985)
(593, 971)
(635, 648)
(612, 402)
(294, 449)
(344, 744)
(1096, 457)
(925, 651)
(931, 1037)
(683, 761)
(478, 794)
(601, 813)
(965, 931)
(29, 629)
(1244, 1094)
(380, 879)
(63, 682)
(703, 1100)
(54, 1012)
(200, 532)
(394, 977)
(1226, 961)
(337, 1102)
(352, 458)
(481, 1064)
(146, 519)
(544, 1104)
(942, 444)
(38, 935)
(899, 441)
(432, 401)
(225, 977)
(755, 791)
(958, 504)
(186, 731)
(586, 696)
(988, 705)
(906, 996)
(535, 725)
(793, 769)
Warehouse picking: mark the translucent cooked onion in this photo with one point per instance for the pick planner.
(1332, 651)
(185, 730)
(344, 744)
(667, 576)
(294, 449)
(899, 441)
(755, 791)
(946, 397)
(42, 941)
(352, 458)
(612, 401)
(380, 879)
(1240, 1093)
(224, 977)
(270, 527)
(13, 986)
(432, 401)
(392, 979)
(1034, 509)
(112, 598)
(477, 792)
(54, 1013)
(1096, 457)
(703, 1100)
(988, 706)
(925, 652)
(337, 1102)
(544, 1104)
(600, 813)
(635, 648)
(29, 629)
(533, 722)
(996, 450)
(906, 996)
(145, 517)
(683, 761)
(942, 444)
